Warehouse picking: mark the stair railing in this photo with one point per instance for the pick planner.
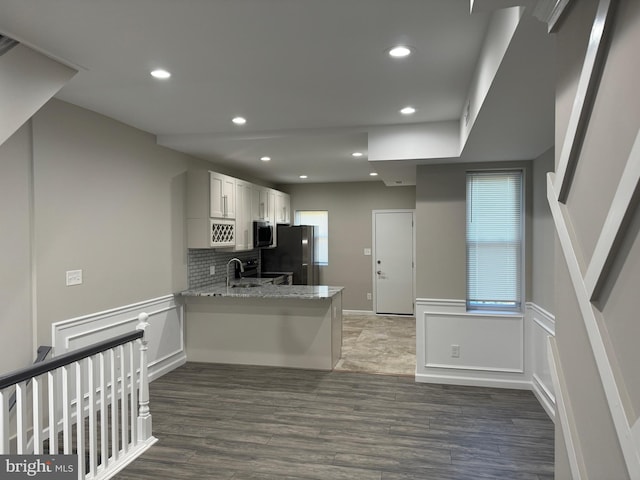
(93, 402)
(43, 351)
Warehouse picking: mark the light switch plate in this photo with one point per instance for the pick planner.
(367, 251)
(74, 277)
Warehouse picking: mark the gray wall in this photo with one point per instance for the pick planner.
(543, 236)
(441, 225)
(350, 207)
(16, 344)
(613, 125)
(107, 200)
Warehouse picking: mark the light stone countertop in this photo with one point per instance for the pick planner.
(266, 290)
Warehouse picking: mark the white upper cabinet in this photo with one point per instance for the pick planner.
(204, 230)
(264, 203)
(222, 196)
(221, 210)
(283, 207)
(244, 215)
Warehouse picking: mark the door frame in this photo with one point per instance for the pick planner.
(412, 211)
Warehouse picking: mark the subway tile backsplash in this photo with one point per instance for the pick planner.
(200, 261)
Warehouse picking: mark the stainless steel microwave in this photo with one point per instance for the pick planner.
(262, 233)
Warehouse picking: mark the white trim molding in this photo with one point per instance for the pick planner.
(587, 286)
(551, 16)
(584, 99)
(592, 318)
(165, 332)
(622, 207)
(565, 413)
(446, 304)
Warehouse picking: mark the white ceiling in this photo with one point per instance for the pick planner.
(310, 76)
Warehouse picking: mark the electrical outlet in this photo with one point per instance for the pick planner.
(368, 296)
(212, 270)
(74, 277)
(455, 351)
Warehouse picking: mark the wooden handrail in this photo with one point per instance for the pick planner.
(67, 358)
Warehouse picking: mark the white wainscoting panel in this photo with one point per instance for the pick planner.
(509, 351)
(165, 332)
(486, 342)
(492, 346)
(541, 328)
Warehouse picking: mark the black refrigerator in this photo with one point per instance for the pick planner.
(295, 252)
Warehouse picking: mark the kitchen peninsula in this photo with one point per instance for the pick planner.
(277, 325)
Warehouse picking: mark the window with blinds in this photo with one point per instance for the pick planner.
(494, 240)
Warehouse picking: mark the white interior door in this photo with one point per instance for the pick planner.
(393, 261)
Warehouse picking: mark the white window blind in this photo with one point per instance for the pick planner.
(319, 218)
(494, 240)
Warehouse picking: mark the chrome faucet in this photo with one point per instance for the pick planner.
(229, 263)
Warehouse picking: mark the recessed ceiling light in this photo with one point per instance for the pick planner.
(161, 74)
(408, 111)
(400, 51)
(373, 174)
(303, 176)
(265, 159)
(356, 154)
(239, 120)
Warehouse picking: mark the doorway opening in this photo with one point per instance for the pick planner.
(380, 344)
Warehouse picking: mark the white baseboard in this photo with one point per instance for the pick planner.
(357, 312)
(473, 381)
(544, 396)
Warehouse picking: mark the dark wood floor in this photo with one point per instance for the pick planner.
(261, 423)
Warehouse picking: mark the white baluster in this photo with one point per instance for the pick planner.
(93, 464)
(134, 394)
(4, 423)
(66, 412)
(37, 416)
(104, 426)
(144, 414)
(80, 420)
(114, 407)
(53, 415)
(124, 402)
(21, 417)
